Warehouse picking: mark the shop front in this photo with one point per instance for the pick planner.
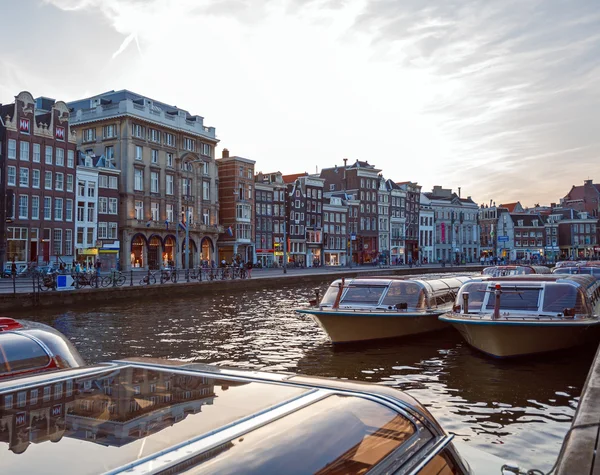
(265, 257)
(87, 257)
(335, 258)
(313, 256)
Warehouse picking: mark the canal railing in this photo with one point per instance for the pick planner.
(580, 449)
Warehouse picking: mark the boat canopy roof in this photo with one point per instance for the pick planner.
(592, 270)
(142, 416)
(547, 294)
(497, 271)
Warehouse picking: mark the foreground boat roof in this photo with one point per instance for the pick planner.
(152, 416)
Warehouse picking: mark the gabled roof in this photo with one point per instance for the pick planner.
(513, 207)
(527, 218)
(292, 178)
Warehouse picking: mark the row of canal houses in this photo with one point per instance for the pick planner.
(130, 182)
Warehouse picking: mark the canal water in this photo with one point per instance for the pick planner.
(517, 410)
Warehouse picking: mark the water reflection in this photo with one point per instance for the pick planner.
(519, 410)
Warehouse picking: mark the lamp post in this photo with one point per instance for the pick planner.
(285, 233)
(187, 240)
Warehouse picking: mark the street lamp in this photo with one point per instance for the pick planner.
(285, 232)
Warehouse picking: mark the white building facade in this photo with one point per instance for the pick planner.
(86, 219)
(426, 231)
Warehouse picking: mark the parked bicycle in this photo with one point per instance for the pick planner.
(86, 279)
(115, 279)
(47, 281)
(149, 279)
(169, 275)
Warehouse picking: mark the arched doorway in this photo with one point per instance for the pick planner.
(169, 254)
(138, 242)
(207, 250)
(192, 256)
(154, 252)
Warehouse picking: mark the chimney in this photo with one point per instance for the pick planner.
(345, 180)
(588, 182)
(225, 153)
(459, 191)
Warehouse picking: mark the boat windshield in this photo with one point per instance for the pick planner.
(578, 270)
(363, 294)
(517, 298)
(559, 296)
(407, 292)
(506, 271)
(352, 435)
(329, 297)
(477, 292)
(20, 353)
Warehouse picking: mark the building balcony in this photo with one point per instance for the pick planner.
(157, 226)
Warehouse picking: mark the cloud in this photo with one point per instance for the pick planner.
(493, 96)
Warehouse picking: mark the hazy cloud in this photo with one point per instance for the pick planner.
(496, 96)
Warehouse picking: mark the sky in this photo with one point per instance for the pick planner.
(499, 97)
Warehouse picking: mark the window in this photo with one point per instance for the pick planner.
(70, 158)
(154, 156)
(70, 183)
(24, 206)
(11, 177)
(102, 181)
(48, 155)
(155, 211)
(109, 131)
(58, 209)
(33, 397)
(138, 131)
(69, 211)
(12, 149)
(170, 139)
(24, 151)
(36, 153)
(138, 152)
(139, 210)
(206, 190)
(154, 182)
(112, 183)
(59, 181)
(8, 402)
(139, 180)
(57, 248)
(102, 230)
(91, 189)
(80, 212)
(47, 208)
(48, 180)
(68, 249)
(154, 135)
(112, 205)
(170, 184)
(205, 168)
(170, 160)
(109, 153)
(188, 144)
(103, 205)
(60, 157)
(89, 135)
(186, 186)
(207, 150)
(35, 207)
(112, 230)
(91, 215)
(24, 177)
(81, 188)
(80, 235)
(170, 213)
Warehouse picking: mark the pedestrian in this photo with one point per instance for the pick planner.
(13, 268)
(249, 266)
(98, 267)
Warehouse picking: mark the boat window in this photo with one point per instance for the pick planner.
(331, 294)
(517, 298)
(558, 297)
(407, 292)
(477, 292)
(365, 294)
(19, 353)
(338, 434)
(442, 464)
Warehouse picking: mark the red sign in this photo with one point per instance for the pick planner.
(60, 133)
(56, 410)
(24, 125)
(443, 233)
(20, 419)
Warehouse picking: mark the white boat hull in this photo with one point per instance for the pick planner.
(504, 339)
(346, 327)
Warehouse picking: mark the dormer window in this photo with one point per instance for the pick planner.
(535, 222)
(520, 222)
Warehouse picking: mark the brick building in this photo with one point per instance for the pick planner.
(236, 208)
(168, 176)
(362, 181)
(411, 226)
(269, 198)
(335, 230)
(37, 156)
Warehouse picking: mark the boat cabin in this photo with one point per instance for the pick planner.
(586, 269)
(392, 293)
(166, 417)
(553, 295)
(501, 271)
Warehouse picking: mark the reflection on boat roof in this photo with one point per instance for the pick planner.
(140, 411)
(583, 280)
(428, 284)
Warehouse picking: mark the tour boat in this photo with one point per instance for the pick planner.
(592, 268)
(143, 416)
(383, 307)
(502, 271)
(527, 314)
